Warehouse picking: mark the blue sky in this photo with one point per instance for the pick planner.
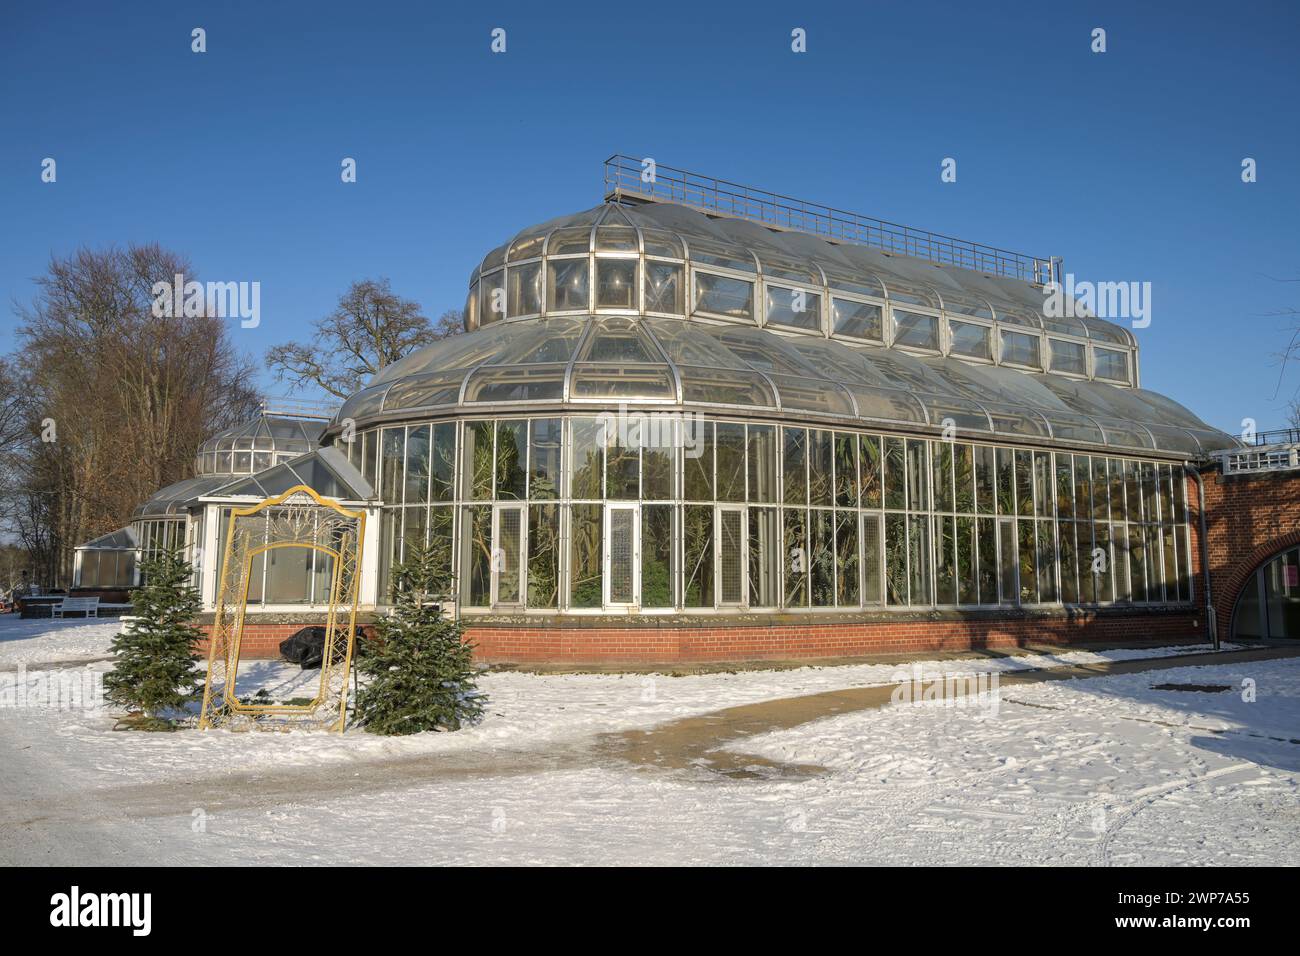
(1127, 163)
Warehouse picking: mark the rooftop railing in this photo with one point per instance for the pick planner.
(300, 407)
(629, 178)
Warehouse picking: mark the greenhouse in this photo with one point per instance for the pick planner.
(658, 411)
(664, 413)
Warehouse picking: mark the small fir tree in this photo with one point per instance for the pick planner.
(154, 657)
(420, 671)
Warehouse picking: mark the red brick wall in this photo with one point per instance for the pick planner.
(1249, 518)
(259, 640)
(668, 644)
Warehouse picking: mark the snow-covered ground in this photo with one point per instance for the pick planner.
(1104, 770)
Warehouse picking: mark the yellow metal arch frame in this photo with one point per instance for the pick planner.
(298, 518)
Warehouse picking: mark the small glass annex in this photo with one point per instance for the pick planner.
(658, 411)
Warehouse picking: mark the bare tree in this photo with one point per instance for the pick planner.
(371, 328)
(114, 399)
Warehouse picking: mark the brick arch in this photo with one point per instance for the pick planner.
(1244, 571)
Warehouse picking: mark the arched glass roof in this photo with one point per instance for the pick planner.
(325, 469)
(664, 259)
(257, 444)
(596, 360)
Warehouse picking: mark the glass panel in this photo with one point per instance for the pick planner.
(585, 555)
(622, 555)
(544, 556)
(967, 582)
(916, 330)
(1020, 349)
(1111, 365)
(1082, 487)
(661, 244)
(505, 558)
(493, 289)
(846, 470)
(731, 555)
(524, 284)
(895, 474)
(796, 557)
(697, 548)
(1150, 496)
(663, 288)
(623, 381)
(871, 593)
(986, 477)
(526, 248)
(764, 558)
(1064, 486)
(1028, 563)
(1070, 357)
(918, 559)
(859, 319)
(476, 547)
(288, 575)
(511, 459)
(1090, 568)
(1008, 582)
(1043, 487)
(820, 466)
(1046, 562)
(795, 465)
(869, 463)
(762, 463)
(730, 445)
(616, 239)
(964, 476)
(722, 295)
(945, 567)
(622, 466)
(822, 564)
(918, 498)
(1135, 545)
(616, 284)
(476, 461)
(656, 556)
(896, 558)
(970, 340)
(586, 464)
(847, 584)
(941, 480)
(566, 285)
(569, 241)
(723, 387)
(658, 454)
(1024, 482)
(392, 453)
(794, 307)
(544, 458)
(986, 534)
(1102, 579)
(698, 467)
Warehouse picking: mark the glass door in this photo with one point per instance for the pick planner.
(730, 563)
(507, 554)
(622, 555)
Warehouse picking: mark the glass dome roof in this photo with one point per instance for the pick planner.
(594, 360)
(258, 444)
(667, 230)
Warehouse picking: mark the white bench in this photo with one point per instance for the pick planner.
(88, 605)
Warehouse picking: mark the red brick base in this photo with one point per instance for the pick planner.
(669, 643)
(258, 640)
(666, 645)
